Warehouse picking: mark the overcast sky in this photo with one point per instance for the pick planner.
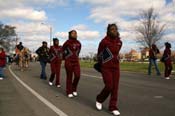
(89, 17)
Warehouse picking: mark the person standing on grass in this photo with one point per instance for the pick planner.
(56, 55)
(153, 59)
(167, 60)
(71, 50)
(2, 63)
(43, 53)
(108, 57)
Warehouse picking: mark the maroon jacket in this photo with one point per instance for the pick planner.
(167, 55)
(2, 59)
(56, 53)
(153, 53)
(108, 52)
(71, 50)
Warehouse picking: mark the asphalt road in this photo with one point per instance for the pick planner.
(139, 95)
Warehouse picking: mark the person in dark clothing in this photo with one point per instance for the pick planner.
(20, 46)
(108, 58)
(153, 59)
(43, 54)
(167, 60)
(18, 49)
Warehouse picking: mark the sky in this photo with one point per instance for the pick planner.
(34, 18)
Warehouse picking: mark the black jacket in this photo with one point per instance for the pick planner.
(43, 53)
(20, 47)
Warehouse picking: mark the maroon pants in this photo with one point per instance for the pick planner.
(168, 68)
(72, 69)
(111, 81)
(55, 70)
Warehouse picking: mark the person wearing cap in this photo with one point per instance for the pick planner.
(167, 60)
(56, 55)
(153, 59)
(108, 58)
(71, 50)
(43, 54)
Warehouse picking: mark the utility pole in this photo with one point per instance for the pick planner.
(50, 29)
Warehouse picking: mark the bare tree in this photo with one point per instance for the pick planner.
(150, 29)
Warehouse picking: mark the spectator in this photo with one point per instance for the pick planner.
(153, 59)
(2, 63)
(43, 53)
(167, 60)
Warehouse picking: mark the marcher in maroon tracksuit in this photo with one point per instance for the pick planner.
(71, 50)
(56, 54)
(168, 62)
(108, 56)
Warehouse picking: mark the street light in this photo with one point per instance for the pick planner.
(50, 29)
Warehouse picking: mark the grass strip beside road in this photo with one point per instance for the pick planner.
(129, 66)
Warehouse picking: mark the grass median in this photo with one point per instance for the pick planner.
(129, 66)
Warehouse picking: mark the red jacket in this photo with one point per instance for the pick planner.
(108, 52)
(71, 50)
(56, 53)
(2, 59)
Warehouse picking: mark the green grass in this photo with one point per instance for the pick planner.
(139, 67)
(87, 64)
(129, 66)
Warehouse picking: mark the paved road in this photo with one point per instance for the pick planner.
(139, 95)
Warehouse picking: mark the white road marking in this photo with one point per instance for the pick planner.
(158, 97)
(86, 75)
(42, 99)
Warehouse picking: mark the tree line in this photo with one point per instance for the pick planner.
(7, 36)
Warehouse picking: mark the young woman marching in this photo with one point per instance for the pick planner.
(108, 58)
(71, 50)
(56, 54)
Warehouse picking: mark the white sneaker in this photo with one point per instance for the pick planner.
(58, 86)
(75, 94)
(70, 96)
(1, 78)
(98, 106)
(115, 112)
(50, 83)
(167, 78)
